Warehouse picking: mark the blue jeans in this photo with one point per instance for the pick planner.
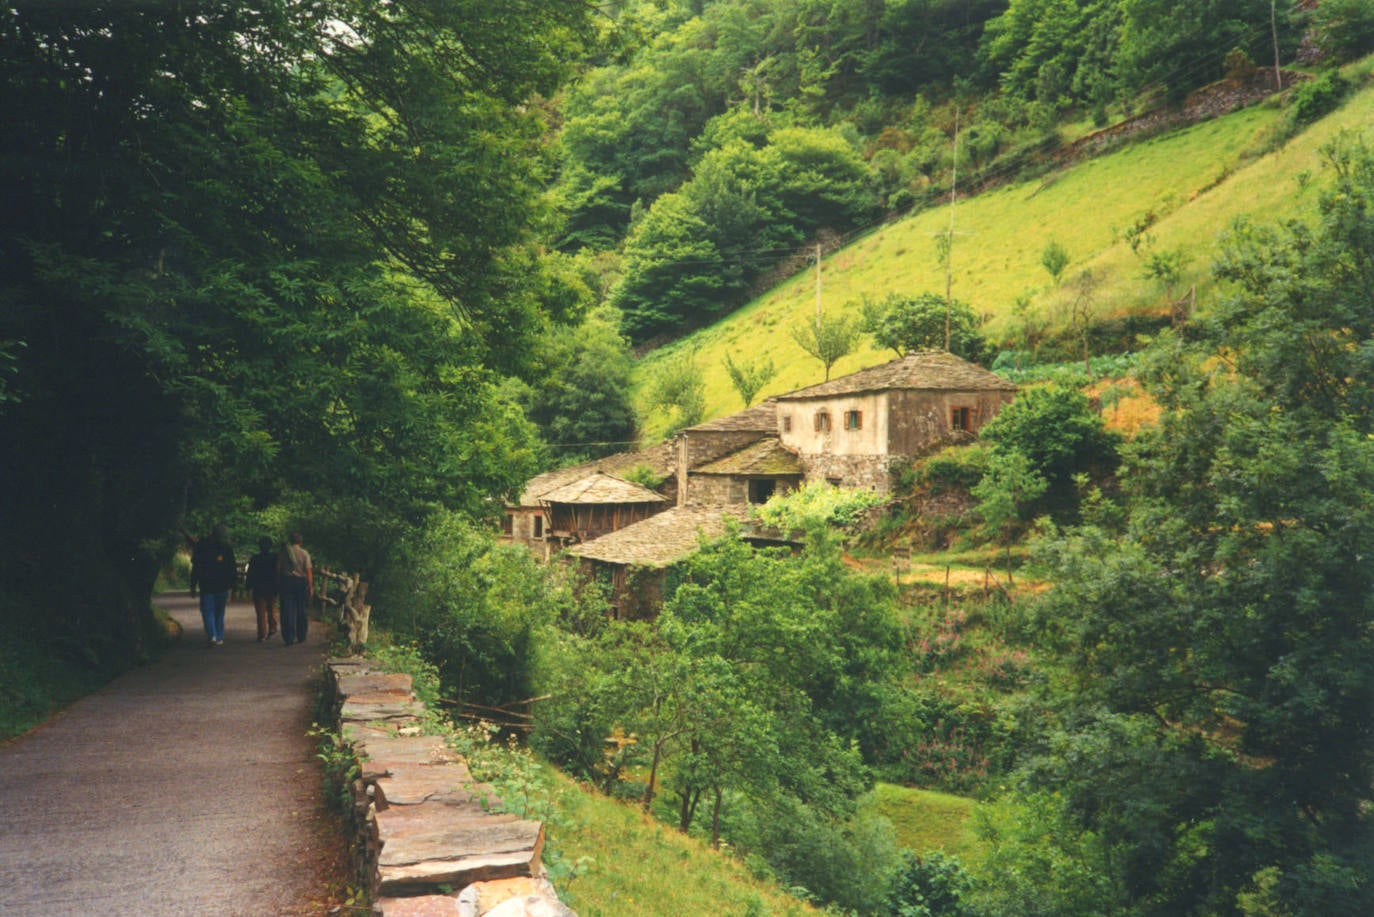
(294, 621)
(212, 605)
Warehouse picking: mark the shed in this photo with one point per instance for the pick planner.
(597, 504)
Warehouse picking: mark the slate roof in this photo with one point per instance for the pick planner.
(660, 459)
(931, 370)
(663, 539)
(761, 418)
(767, 457)
(602, 488)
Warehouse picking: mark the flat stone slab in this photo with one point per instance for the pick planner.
(380, 752)
(415, 784)
(364, 712)
(376, 684)
(427, 845)
(357, 734)
(418, 906)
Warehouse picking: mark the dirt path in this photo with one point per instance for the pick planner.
(188, 787)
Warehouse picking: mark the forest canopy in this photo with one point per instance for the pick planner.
(256, 251)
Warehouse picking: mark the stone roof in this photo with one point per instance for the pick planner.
(663, 539)
(761, 418)
(660, 459)
(602, 488)
(767, 457)
(931, 370)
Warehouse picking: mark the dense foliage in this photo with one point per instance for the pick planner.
(256, 250)
(726, 138)
(1217, 748)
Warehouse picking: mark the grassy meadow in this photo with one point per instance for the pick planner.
(1196, 181)
(634, 866)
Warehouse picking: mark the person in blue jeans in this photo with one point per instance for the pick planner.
(213, 572)
(297, 586)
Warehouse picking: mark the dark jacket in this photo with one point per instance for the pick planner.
(213, 567)
(262, 574)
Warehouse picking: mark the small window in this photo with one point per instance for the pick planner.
(761, 489)
(961, 419)
(822, 421)
(508, 524)
(538, 526)
(787, 423)
(853, 420)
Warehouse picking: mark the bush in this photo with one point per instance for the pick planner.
(1056, 429)
(816, 504)
(473, 606)
(933, 885)
(961, 467)
(1316, 98)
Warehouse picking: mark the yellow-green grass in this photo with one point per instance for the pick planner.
(638, 867)
(926, 821)
(1196, 181)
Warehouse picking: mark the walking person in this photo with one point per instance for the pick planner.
(214, 572)
(262, 585)
(297, 586)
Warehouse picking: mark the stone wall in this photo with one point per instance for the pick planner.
(428, 841)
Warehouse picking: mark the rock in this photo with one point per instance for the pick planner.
(522, 897)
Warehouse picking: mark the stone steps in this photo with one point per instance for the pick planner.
(425, 826)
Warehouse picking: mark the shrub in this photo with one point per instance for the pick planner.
(1055, 428)
(933, 885)
(816, 504)
(1315, 98)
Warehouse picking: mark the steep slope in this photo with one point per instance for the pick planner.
(1195, 182)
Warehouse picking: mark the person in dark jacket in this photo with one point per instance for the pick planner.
(262, 584)
(214, 572)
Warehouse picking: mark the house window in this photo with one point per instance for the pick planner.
(853, 420)
(787, 423)
(961, 419)
(508, 524)
(761, 489)
(822, 421)
(538, 526)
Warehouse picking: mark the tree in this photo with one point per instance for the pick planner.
(904, 324)
(829, 339)
(1343, 27)
(1055, 429)
(580, 399)
(1220, 742)
(1055, 258)
(259, 251)
(749, 376)
(1008, 486)
(679, 387)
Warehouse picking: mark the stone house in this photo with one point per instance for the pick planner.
(852, 430)
(735, 459)
(849, 431)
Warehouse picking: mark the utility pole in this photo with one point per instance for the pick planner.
(949, 240)
(818, 284)
(1274, 30)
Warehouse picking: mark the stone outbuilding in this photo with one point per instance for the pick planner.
(850, 431)
(597, 505)
(634, 561)
(526, 520)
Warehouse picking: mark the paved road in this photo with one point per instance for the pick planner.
(188, 787)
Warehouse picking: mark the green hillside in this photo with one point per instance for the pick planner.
(1196, 181)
